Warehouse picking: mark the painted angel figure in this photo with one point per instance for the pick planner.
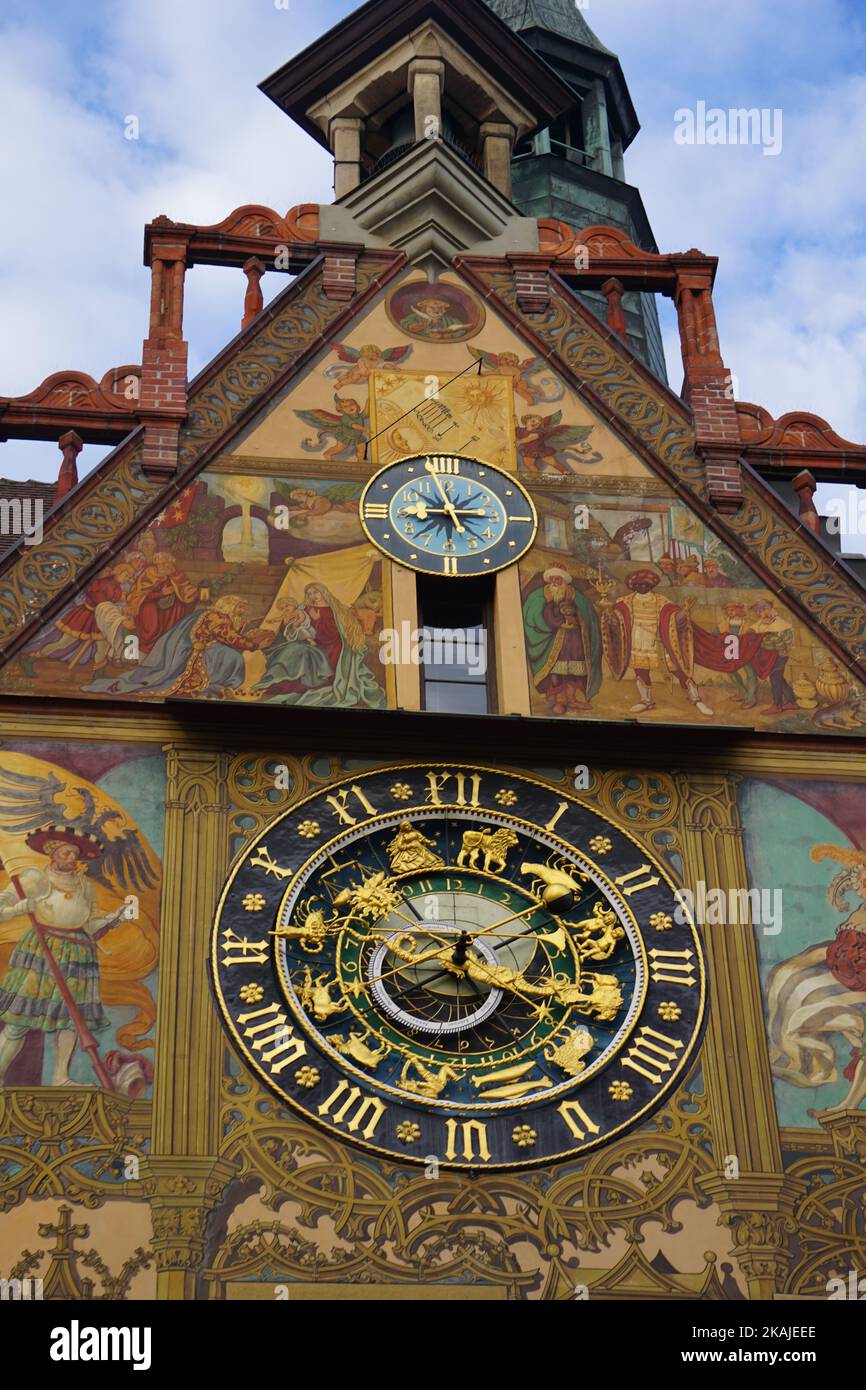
(349, 428)
(360, 363)
(820, 993)
(546, 444)
(550, 388)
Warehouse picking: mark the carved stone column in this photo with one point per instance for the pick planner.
(497, 143)
(184, 1177)
(757, 1204)
(426, 83)
(346, 146)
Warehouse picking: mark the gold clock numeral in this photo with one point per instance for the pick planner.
(376, 511)
(554, 821)
(449, 466)
(439, 780)
(239, 951)
(653, 1050)
(273, 1030)
(470, 1131)
(340, 804)
(636, 887)
(672, 968)
(579, 1123)
(450, 564)
(354, 1109)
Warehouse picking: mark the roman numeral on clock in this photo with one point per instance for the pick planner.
(470, 1131)
(636, 887)
(652, 1050)
(449, 467)
(672, 968)
(376, 511)
(353, 1109)
(273, 1030)
(450, 564)
(579, 1123)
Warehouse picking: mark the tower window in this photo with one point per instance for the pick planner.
(457, 656)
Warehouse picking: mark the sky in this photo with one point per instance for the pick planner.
(787, 227)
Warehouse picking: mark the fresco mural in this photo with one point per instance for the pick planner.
(429, 368)
(79, 915)
(631, 608)
(813, 968)
(247, 587)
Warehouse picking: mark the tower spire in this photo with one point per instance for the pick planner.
(574, 170)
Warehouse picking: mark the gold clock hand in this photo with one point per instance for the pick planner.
(449, 505)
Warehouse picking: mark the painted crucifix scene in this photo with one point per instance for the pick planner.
(247, 587)
(632, 609)
(79, 917)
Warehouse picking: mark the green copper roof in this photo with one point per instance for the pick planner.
(558, 16)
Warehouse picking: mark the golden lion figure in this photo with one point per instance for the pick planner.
(494, 845)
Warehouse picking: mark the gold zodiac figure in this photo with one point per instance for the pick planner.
(571, 1051)
(557, 884)
(313, 931)
(355, 1046)
(432, 1083)
(411, 852)
(603, 921)
(315, 997)
(493, 844)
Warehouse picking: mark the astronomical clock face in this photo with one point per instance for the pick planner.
(449, 516)
(458, 963)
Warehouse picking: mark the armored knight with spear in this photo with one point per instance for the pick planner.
(52, 983)
(64, 932)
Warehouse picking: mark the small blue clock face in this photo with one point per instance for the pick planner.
(450, 516)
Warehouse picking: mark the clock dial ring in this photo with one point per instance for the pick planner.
(508, 1132)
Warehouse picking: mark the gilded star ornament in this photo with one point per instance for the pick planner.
(252, 994)
(620, 1090)
(401, 792)
(671, 1013)
(600, 844)
(309, 830)
(408, 1132)
(506, 798)
(254, 902)
(661, 921)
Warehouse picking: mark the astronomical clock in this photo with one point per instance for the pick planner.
(458, 963)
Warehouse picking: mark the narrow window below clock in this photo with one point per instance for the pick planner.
(457, 651)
